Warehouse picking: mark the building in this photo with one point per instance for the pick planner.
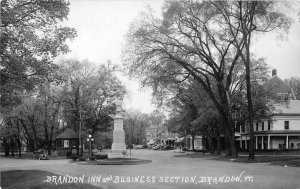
(281, 130)
(67, 141)
(160, 135)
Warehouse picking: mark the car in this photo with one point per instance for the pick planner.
(150, 146)
(139, 147)
(40, 155)
(157, 147)
(167, 147)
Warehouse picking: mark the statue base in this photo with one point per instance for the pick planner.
(118, 151)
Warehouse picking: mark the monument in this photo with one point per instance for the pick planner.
(118, 147)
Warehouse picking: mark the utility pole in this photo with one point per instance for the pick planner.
(80, 142)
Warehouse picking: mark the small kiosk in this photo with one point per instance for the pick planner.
(67, 143)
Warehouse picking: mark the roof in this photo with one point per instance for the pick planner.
(278, 132)
(67, 134)
(276, 85)
(292, 107)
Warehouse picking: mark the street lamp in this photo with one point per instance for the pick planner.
(90, 139)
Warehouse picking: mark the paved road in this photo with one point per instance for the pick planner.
(167, 171)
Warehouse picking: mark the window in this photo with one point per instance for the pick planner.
(269, 125)
(243, 128)
(59, 143)
(262, 126)
(279, 96)
(292, 145)
(286, 125)
(66, 143)
(256, 126)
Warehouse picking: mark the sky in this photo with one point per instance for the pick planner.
(103, 24)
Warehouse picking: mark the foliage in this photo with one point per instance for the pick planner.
(30, 38)
(294, 83)
(135, 124)
(89, 92)
(203, 41)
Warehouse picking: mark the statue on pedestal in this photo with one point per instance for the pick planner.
(118, 148)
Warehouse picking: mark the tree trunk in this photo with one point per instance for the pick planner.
(19, 146)
(12, 147)
(218, 142)
(210, 143)
(193, 142)
(49, 146)
(250, 106)
(6, 147)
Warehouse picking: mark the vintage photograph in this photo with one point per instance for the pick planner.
(153, 94)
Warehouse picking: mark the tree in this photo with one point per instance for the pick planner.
(11, 134)
(88, 95)
(294, 83)
(135, 124)
(30, 39)
(190, 41)
(243, 20)
(51, 99)
(203, 40)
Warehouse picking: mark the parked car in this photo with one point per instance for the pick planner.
(167, 147)
(150, 146)
(40, 155)
(139, 147)
(157, 147)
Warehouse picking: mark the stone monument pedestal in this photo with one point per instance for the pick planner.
(118, 147)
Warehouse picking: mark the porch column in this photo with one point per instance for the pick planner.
(262, 142)
(269, 147)
(256, 142)
(287, 142)
(246, 146)
(241, 144)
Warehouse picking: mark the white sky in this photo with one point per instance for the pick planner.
(102, 25)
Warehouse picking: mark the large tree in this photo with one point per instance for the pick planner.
(244, 19)
(30, 39)
(190, 39)
(89, 92)
(203, 40)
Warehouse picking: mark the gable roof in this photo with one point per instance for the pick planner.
(276, 85)
(67, 134)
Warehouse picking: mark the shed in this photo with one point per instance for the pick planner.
(67, 141)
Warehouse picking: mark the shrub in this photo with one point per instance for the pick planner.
(74, 157)
(92, 158)
(81, 158)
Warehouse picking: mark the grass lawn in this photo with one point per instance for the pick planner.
(288, 160)
(33, 179)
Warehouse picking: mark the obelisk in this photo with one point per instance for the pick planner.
(118, 147)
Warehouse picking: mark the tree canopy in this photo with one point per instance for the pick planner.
(31, 36)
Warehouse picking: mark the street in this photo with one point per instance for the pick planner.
(167, 171)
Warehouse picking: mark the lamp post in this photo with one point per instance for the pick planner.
(90, 139)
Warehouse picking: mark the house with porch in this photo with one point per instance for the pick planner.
(280, 131)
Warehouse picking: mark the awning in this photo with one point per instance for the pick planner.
(170, 139)
(179, 139)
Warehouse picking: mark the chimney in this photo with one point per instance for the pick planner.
(274, 72)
